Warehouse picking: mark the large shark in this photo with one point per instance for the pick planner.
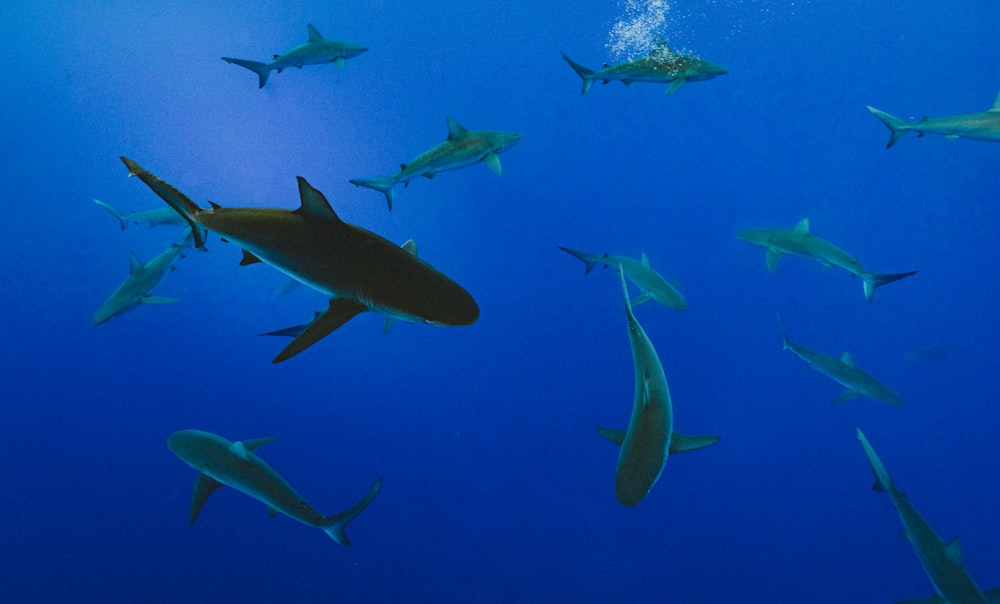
(220, 462)
(315, 51)
(138, 286)
(941, 561)
(983, 126)
(356, 268)
(842, 371)
(653, 286)
(462, 148)
(799, 241)
(660, 65)
(650, 436)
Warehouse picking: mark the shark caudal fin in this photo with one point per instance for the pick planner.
(261, 69)
(786, 344)
(587, 75)
(174, 198)
(384, 184)
(589, 260)
(335, 525)
(111, 210)
(895, 125)
(876, 280)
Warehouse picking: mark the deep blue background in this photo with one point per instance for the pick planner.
(497, 488)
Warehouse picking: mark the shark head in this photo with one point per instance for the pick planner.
(700, 69)
(193, 446)
(501, 141)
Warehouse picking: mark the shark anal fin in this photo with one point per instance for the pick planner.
(204, 487)
(680, 443)
(340, 311)
(613, 434)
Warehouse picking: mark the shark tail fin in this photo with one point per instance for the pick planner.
(174, 198)
(335, 525)
(896, 126)
(587, 75)
(785, 342)
(875, 280)
(589, 260)
(261, 69)
(383, 184)
(114, 212)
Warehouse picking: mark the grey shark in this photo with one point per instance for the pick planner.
(661, 65)
(984, 126)
(153, 218)
(799, 241)
(843, 371)
(650, 436)
(316, 51)
(639, 272)
(941, 561)
(462, 148)
(234, 464)
(138, 286)
(356, 268)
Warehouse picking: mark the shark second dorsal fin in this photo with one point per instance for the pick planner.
(134, 264)
(454, 128)
(204, 487)
(802, 227)
(314, 204)
(410, 247)
(847, 359)
(954, 551)
(314, 35)
(644, 260)
(240, 450)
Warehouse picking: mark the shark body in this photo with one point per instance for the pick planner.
(356, 268)
(639, 272)
(317, 50)
(462, 148)
(650, 436)
(984, 126)
(221, 462)
(799, 241)
(941, 561)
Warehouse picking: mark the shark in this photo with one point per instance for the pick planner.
(984, 126)
(462, 148)
(356, 268)
(153, 218)
(639, 272)
(941, 561)
(650, 436)
(220, 462)
(661, 65)
(799, 241)
(317, 50)
(138, 286)
(843, 371)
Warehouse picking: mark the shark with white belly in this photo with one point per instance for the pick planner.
(317, 50)
(639, 272)
(983, 126)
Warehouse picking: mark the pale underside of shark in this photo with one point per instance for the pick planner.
(220, 462)
(462, 148)
(941, 561)
(984, 126)
(650, 436)
(799, 241)
(316, 51)
(356, 268)
(639, 272)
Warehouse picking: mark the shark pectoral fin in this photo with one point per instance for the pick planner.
(680, 443)
(156, 300)
(643, 297)
(252, 445)
(613, 434)
(773, 256)
(340, 311)
(249, 258)
(675, 85)
(492, 159)
(847, 395)
(204, 487)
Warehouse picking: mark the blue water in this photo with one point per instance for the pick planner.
(496, 486)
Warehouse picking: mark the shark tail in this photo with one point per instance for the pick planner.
(786, 344)
(883, 482)
(896, 126)
(589, 260)
(384, 184)
(875, 280)
(114, 212)
(587, 75)
(261, 69)
(174, 198)
(335, 525)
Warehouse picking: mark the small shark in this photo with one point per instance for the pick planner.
(650, 436)
(941, 561)
(842, 371)
(157, 217)
(661, 65)
(316, 51)
(220, 462)
(356, 268)
(799, 241)
(462, 148)
(138, 286)
(653, 286)
(983, 126)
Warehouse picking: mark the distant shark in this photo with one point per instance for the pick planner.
(138, 286)
(220, 462)
(650, 436)
(941, 561)
(660, 65)
(357, 269)
(799, 241)
(653, 286)
(842, 371)
(315, 51)
(983, 126)
(157, 217)
(462, 148)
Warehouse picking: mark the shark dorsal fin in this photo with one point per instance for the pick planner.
(240, 450)
(410, 247)
(660, 45)
(314, 35)
(454, 128)
(134, 264)
(996, 103)
(214, 205)
(954, 551)
(644, 260)
(205, 486)
(802, 227)
(314, 204)
(613, 434)
(847, 359)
